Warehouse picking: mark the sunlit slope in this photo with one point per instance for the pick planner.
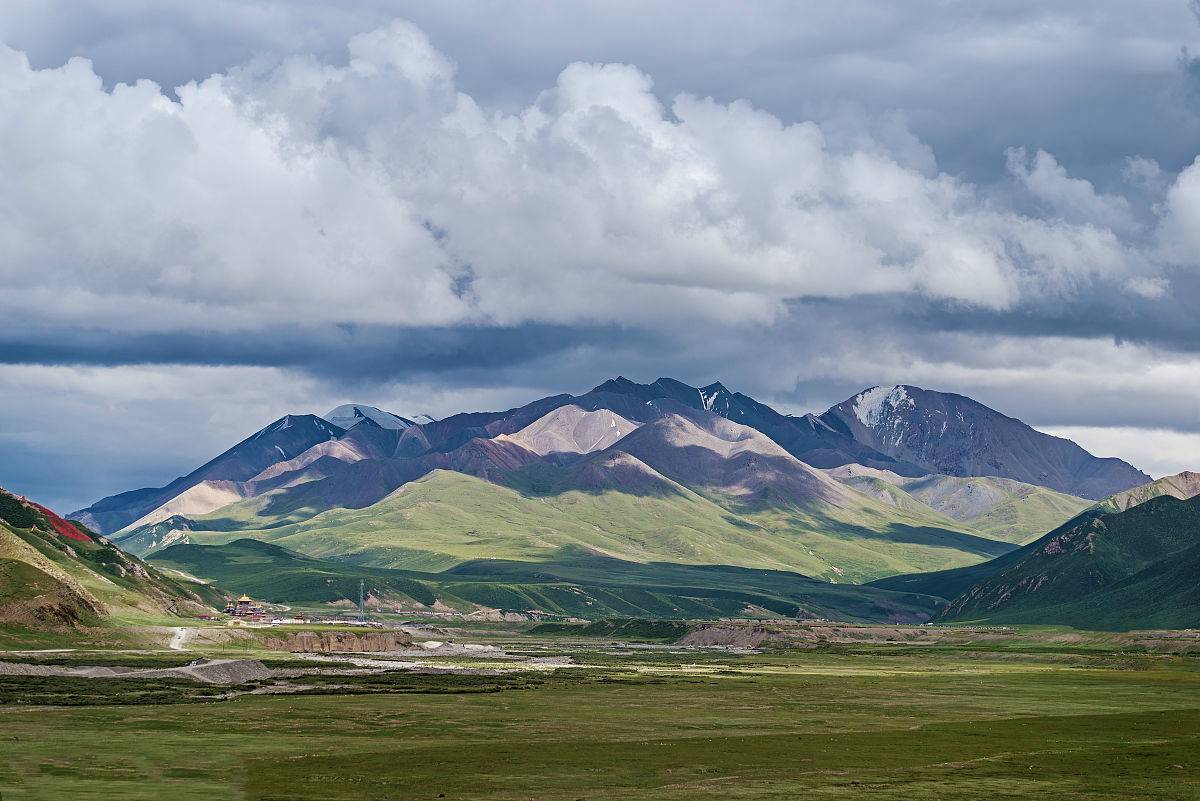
(54, 574)
(1182, 486)
(997, 508)
(447, 518)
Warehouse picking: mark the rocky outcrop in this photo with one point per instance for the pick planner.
(729, 635)
(800, 634)
(327, 642)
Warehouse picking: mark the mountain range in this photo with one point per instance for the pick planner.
(1000, 508)
(893, 480)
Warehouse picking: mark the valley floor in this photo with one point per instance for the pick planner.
(1024, 718)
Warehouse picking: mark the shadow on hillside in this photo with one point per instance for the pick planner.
(774, 484)
(783, 592)
(929, 536)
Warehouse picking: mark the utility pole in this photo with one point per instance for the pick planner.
(361, 611)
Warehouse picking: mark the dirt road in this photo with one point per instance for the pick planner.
(179, 638)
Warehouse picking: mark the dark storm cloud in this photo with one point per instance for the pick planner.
(356, 353)
(1170, 323)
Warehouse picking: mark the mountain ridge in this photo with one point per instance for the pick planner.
(705, 464)
(951, 434)
(285, 438)
(833, 439)
(999, 507)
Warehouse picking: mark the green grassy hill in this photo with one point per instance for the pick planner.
(1104, 569)
(1087, 556)
(999, 508)
(55, 573)
(1164, 595)
(271, 573)
(447, 518)
(571, 583)
(1182, 486)
(996, 508)
(32, 598)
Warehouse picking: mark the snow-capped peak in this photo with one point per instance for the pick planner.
(709, 394)
(817, 421)
(351, 414)
(289, 420)
(278, 425)
(324, 426)
(871, 405)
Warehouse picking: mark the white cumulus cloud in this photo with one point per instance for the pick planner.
(376, 191)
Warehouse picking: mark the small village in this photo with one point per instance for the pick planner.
(246, 611)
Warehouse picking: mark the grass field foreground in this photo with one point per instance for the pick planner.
(890, 722)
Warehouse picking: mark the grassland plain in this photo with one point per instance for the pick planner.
(1044, 719)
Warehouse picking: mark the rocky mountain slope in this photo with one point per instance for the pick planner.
(705, 451)
(284, 439)
(1067, 576)
(806, 437)
(944, 433)
(571, 430)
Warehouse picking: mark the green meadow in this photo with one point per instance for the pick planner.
(445, 518)
(575, 584)
(1043, 718)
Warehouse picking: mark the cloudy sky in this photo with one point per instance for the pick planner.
(212, 214)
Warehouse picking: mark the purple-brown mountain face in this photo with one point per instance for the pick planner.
(286, 438)
(666, 430)
(953, 435)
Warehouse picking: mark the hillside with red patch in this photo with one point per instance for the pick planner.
(61, 526)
